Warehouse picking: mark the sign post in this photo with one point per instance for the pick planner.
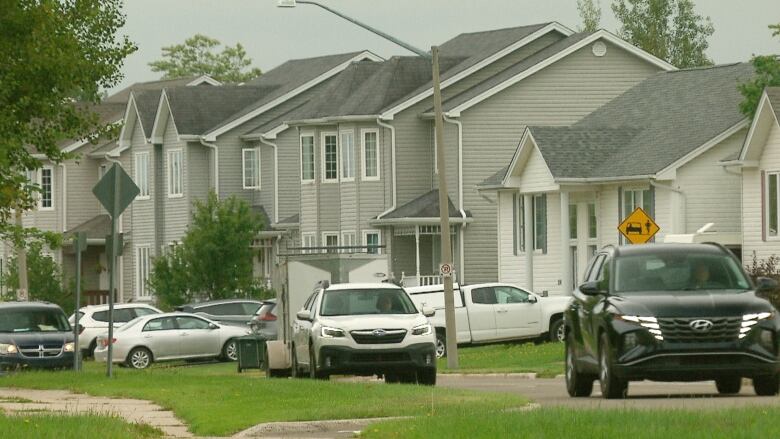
(115, 191)
(638, 228)
(79, 245)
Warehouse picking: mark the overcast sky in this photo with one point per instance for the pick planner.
(272, 35)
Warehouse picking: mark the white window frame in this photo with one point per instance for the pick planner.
(313, 155)
(593, 239)
(347, 167)
(348, 239)
(537, 246)
(768, 175)
(175, 179)
(51, 188)
(308, 240)
(256, 183)
(326, 235)
(379, 240)
(143, 268)
(364, 155)
(142, 180)
(323, 161)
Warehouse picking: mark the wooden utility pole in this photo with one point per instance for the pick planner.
(444, 214)
(22, 293)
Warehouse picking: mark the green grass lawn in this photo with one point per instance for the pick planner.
(49, 426)
(545, 359)
(754, 422)
(215, 400)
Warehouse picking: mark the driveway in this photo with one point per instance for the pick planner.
(552, 392)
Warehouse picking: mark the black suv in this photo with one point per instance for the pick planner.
(670, 312)
(34, 334)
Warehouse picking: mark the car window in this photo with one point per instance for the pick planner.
(122, 315)
(33, 320)
(596, 268)
(100, 316)
(266, 308)
(161, 324)
(366, 301)
(602, 277)
(250, 307)
(506, 294)
(309, 301)
(485, 295)
(144, 311)
(313, 301)
(186, 322)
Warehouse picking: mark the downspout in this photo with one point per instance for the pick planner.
(213, 147)
(393, 165)
(682, 213)
(64, 197)
(276, 177)
(461, 245)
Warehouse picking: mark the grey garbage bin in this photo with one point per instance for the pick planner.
(251, 351)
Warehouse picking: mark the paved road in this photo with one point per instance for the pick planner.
(645, 394)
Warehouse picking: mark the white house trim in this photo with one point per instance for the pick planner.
(323, 177)
(669, 172)
(161, 120)
(555, 26)
(124, 133)
(600, 34)
(203, 79)
(212, 135)
(763, 106)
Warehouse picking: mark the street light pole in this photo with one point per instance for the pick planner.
(444, 214)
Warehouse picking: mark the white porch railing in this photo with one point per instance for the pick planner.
(423, 280)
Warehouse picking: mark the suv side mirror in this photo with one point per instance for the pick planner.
(303, 315)
(765, 284)
(591, 288)
(428, 311)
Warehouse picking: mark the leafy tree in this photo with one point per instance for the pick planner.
(590, 13)
(767, 75)
(197, 57)
(214, 259)
(46, 280)
(669, 29)
(52, 51)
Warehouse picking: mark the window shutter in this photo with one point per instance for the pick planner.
(763, 206)
(514, 224)
(620, 212)
(544, 223)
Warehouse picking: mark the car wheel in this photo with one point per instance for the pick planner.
(407, 378)
(557, 331)
(441, 345)
(577, 384)
(768, 385)
(391, 378)
(612, 387)
(728, 385)
(91, 348)
(313, 372)
(139, 358)
(230, 350)
(295, 371)
(426, 376)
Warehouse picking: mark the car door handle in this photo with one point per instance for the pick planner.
(147, 336)
(502, 311)
(183, 334)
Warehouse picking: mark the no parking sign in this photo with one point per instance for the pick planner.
(445, 270)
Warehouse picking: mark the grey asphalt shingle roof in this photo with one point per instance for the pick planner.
(123, 95)
(196, 110)
(648, 127)
(495, 179)
(774, 98)
(96, 227)
(147, 102)
(424, 206)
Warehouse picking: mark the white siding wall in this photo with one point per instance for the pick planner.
(751, 201)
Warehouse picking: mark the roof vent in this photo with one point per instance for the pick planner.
(599, 48)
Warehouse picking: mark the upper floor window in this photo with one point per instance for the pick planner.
(142, 174)
(347, 156)
(371, 155)
(47, 188)
(330, 239)
(330, 158)
(175, 173)
(307, 158)
(633, 198)
(250, 159)
(572, 221)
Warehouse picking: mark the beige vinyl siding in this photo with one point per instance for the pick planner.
(177, 209)
(751, 201)
(512, 269)
(414, 153)
(535, 176)
(711, 193)
(290, 188)
(47, 219)
(560, 94)
(198, 164)
(82, 177)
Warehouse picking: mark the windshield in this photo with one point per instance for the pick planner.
(678, 272)
(33, 320)
(366, 301)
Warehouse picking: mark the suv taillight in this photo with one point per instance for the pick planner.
(104, 341)
(268, 317)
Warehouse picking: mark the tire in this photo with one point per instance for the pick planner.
(295, 370)
(612, 387)
(557, 330)
(426, 376)
(577, 384)
(768, 385)
(728, 385)
(139, 358)
(441, 345)
(313, 372)
(90, 352)
(230, 350)
(391, 378)
(407, 378)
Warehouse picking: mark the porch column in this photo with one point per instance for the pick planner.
(566, 271)
(417, 251)
(528, 233)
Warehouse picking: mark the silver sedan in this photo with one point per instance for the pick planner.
(170, 336)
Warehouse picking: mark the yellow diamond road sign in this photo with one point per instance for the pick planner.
(638, 228)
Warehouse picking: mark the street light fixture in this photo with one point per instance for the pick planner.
(444, 214)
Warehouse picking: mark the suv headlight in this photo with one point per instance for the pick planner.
(423, 329)
(748, 320)
(649, 323)
(7, 349)
(69, 347)
(328, 332)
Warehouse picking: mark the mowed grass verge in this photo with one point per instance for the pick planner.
(215, 400)
(751, 422)
(545, 359)
(51, 426)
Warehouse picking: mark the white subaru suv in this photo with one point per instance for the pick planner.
(93, 321)
(364, 329)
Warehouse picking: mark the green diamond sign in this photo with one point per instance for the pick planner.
(116, 190)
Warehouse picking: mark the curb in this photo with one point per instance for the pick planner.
(309, 427)
(526, 376)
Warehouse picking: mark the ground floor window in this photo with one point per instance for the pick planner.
(372, 242)
(142, 270)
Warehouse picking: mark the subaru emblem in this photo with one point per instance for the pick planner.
(701, 325)
(379, 332)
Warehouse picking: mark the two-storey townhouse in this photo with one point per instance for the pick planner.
(659, 146)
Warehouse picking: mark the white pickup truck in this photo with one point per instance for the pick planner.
(492, 312)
